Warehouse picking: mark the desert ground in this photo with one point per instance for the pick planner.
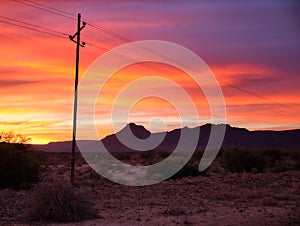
(218, 198)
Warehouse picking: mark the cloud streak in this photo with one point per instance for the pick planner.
(253, 45)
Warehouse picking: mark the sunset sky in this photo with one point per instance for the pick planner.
(253, 48)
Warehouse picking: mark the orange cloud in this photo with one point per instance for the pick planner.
(37, 70)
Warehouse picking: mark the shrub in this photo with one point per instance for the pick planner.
(164, 154)
(156, 156)
(153, 156)
(272, 155)
(190, 169)
(279, 168)
(18, 166)
(122, 155)
(196, 157)
(14, 138)
(296, 158)
(60, 202)
(236, 160)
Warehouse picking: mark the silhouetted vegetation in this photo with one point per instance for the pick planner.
(238, 161)
(231, 160)
(272, 155)
(60, 202)
(279, 168)
(189, 170)
(14, 138)
(295, 156)
(19, 166)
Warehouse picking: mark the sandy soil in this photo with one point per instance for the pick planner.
(216, 199)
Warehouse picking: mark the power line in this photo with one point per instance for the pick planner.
(73, 17)
(51, 8)
(259, 96)
(158, 69)
(109, 32)
(32, 25)
(260, 106)
(33, 29)
(45, 8)
(126, 40)
(96, 46)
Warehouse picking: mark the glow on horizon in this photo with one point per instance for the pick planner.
(259, 55)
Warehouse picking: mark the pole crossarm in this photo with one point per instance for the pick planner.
(72, 37)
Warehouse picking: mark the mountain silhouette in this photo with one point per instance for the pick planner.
(286, 140)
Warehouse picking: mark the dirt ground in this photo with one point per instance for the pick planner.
(215, 199)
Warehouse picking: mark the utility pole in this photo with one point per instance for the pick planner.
(78, 45)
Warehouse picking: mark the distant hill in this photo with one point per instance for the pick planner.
(286, 140)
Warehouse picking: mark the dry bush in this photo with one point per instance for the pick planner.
(295, 156)
(239, 160)
(19, 166)
(272, 155)
(188, 170)
(279, 169)
(60, 202)
(14, 138)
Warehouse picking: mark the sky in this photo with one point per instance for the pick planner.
(252, 47)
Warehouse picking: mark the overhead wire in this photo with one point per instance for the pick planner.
(40, 7)
(127, 40)
(33, 29)
(33, 25)
(259, 96)
(50, 8)
(158, 69)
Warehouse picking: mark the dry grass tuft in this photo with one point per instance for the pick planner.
(60, 202)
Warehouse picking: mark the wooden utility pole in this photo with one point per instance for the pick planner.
(78, 45)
